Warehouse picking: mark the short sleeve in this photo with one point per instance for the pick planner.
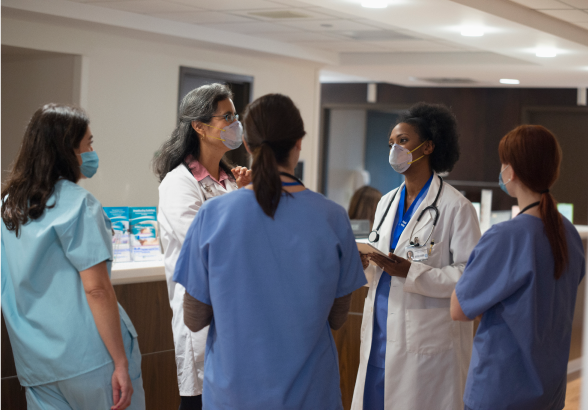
(351, 276)
(87, 237)
(192, 266)
(495, 271)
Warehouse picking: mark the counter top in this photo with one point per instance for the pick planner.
(137, 272)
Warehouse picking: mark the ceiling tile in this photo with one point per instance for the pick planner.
(202, 17)
(416, 46)
(579, 4)
(332, 13)
(584, 25)
(228, 5)
(251, 28)
(573, 16)
(342, 46)
(328, 25)
(144, 6)
(542, 4)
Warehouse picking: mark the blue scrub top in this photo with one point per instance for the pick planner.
(521, 349)
(271, 284)
(379, 338)
(49, 322)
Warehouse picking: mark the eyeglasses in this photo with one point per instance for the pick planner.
(229, 117)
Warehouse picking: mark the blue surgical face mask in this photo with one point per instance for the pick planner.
(502, 183)
(89, 163)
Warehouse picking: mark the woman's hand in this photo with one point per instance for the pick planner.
(365, 260)
(122, 388)
(242, 176)
(393, 265)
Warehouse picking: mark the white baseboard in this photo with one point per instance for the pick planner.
(574, 365)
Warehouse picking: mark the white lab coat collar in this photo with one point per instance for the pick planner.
(404, 240)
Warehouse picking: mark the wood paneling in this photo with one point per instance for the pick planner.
(484, 116)
(13, 395)
(160, 381)
(347, 340)
(147, 304)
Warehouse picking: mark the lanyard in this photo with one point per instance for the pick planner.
(404, 217)
(298, 181)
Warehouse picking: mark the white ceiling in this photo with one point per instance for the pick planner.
(407, 42)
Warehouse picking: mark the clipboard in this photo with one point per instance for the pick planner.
(365, 248)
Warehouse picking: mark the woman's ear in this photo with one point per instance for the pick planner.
(299, 144)
(429, 147)
(196, 126)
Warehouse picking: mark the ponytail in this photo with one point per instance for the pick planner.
(555, 232)
(267, 184)
(535, 156)
(272, 126)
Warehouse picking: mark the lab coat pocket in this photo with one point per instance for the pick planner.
(428, 331)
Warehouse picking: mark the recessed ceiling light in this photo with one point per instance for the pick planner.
(472, 32)
(375, 4)
(546, 53)
(509, 81)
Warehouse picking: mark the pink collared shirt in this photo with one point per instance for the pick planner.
(200, 172)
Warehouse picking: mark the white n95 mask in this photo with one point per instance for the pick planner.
(401, 158)
(231, 136)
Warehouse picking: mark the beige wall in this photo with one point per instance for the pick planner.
(30, 79)
(129, 86)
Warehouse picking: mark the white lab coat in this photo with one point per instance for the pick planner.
(427, 354)
(180, 197)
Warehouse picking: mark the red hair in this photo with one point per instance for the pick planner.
(535, 156)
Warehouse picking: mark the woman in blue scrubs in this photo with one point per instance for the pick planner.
(74, 346)
(523, 279)
(271, 268)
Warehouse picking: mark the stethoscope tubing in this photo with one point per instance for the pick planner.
(432, 207)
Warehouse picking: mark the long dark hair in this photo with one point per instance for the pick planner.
(535, 156)
(272, 125)
(46, 155)
(199, 105)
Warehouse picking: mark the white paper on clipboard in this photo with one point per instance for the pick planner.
(365, 248)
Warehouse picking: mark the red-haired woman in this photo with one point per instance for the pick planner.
(522, 277)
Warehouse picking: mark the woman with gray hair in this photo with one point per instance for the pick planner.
(191, 170)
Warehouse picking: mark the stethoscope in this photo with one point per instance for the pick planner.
(374, 235)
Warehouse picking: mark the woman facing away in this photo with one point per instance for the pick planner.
(74, 346)
(412, 355)
(192, 170)
(523, 279)
(273, 287)
(363, 204)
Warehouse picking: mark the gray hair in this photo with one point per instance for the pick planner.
(199, 105)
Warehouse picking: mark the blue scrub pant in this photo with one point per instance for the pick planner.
(92, 390)
(373, 394)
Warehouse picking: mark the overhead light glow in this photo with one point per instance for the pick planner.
(472, 32)
(509, 81)
(375, 4)
(546, 53)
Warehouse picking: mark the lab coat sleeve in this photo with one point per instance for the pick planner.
(464, 234)
(179, 201)
(192, 267)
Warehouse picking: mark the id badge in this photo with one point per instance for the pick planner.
(417, 253)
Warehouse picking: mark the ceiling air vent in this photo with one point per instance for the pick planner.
(447, 80)
(279, 14)
(376, 35)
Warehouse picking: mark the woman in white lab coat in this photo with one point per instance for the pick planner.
(191, 169)
(413, 356)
